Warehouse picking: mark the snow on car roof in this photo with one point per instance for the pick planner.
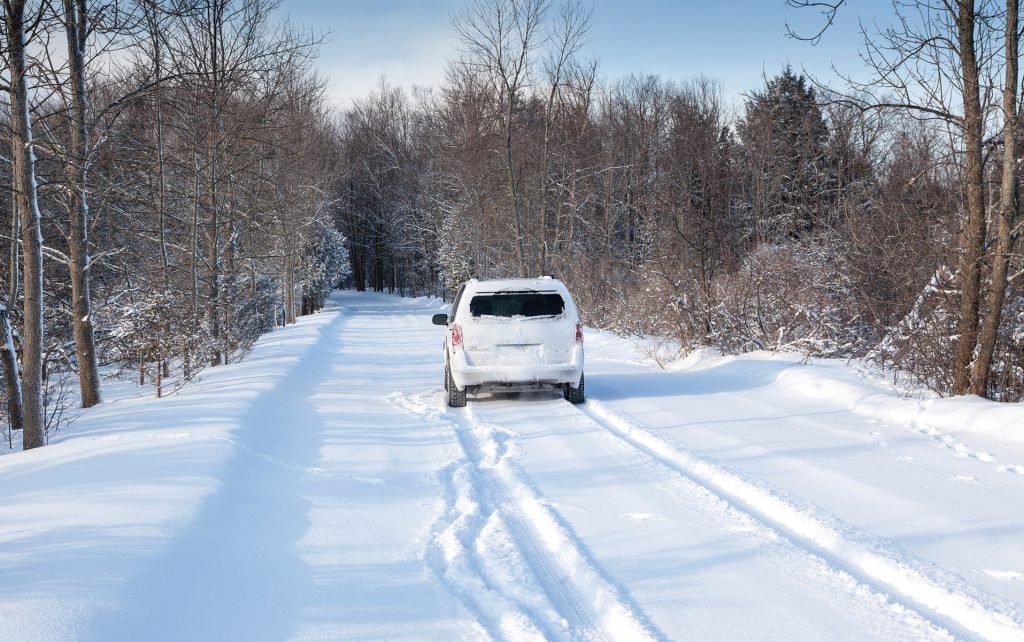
(497, 285)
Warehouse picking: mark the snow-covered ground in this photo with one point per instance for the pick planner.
(322, 490)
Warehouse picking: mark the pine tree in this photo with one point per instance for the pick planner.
(784, 136)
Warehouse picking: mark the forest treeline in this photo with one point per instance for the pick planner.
(169, 171)
(880, 222)
(176, 184)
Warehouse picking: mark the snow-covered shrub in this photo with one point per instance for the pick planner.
(325, 267)
(61, 401)
(602, 294)
(254, 304)
(922, 343)
(151, 330)
(658, 312)
(143, 333)
(60, 397)
(785, 297)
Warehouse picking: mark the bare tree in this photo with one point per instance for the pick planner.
(828, 10)
(1007, 213)
(226, 47)
(500, 38)
(570, 33)
(18, 25)
(8, 353)
(76, 16)
(941, 62)
(972, 233)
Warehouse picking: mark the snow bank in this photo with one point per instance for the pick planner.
(971, 426)
(967, 415)
(81, 516)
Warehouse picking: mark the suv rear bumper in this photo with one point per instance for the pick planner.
(465, 375)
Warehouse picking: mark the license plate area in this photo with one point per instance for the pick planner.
(519, 352)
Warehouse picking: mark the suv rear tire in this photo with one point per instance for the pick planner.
(574, 395)
(456, 397)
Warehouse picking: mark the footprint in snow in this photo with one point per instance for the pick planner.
(904, 458)
(967, 479)
(961, 451)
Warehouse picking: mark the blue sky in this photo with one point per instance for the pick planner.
(735, 41)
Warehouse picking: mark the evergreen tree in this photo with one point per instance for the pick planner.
(784, 137)
(326, 266)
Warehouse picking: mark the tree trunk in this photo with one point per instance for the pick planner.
(14, 284)
(215, 25)
(214, 260)
(161, 183)
(78, 242)
(289, 289)
(12, 378)
(1007, 211)
(972, 233)
(196, 185)
(514, 188)
(24, 181)
(543, 184)
(9, 355)
(161, 204)
(161, 186)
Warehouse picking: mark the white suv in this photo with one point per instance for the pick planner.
(511, 335)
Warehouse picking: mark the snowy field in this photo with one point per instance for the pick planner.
(322, 490)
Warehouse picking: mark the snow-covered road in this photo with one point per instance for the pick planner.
(322, 490)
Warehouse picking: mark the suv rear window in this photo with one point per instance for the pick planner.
(510, 304)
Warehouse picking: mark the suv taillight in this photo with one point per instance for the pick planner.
(579, 333)
(456, 336)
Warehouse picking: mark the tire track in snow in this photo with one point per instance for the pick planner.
(491, 451)
(587, 605)
(452, 549)
(950, 601)
(798, 564)
(553, 550)
(452, 555)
